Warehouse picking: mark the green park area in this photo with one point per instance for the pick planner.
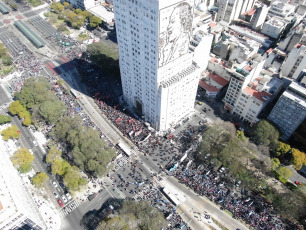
(255, 159)
(6, 61)
(64, 15)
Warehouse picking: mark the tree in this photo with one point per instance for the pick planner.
(60, 167)
(298, 159)
(275, 163)
(7, 60)
(5, 119)
(104, 57)
(73, 179)
(15, 108)
(11, 132)
(266, 134)
(34, 92)
(66, 4)
(3, 50)
(284, 172)
(213, 142)
(57, 7)
(52, 110)
(94, 21)
(22, 159)
(113, 223)
(282, 149)
(40, 179)
(53, 155)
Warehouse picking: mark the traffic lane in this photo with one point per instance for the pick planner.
(38, 163)
(201, 204)
(3, 96)
(72, 220)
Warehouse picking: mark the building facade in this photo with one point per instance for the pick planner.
(159, 77)
(231, 9)
(259, 17)
(290, 110)
(248, 92)
(295, 62)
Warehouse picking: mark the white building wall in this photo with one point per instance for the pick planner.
(295, 63)
(272, 29)
(201, 53)
(153, 38)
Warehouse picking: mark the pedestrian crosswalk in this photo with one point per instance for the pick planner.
(68, 208)
(110, 182)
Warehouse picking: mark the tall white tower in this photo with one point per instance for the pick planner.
(158, 76)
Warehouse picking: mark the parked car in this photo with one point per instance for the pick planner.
(34, 142)
(221, 170)
(54, 184)
(64, 198)
(68, 196)
(55, 194)
(60, 202)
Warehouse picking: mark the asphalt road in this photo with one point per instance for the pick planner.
(3, 96)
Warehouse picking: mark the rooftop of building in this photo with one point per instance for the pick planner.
(274, 21)
(260, 95)
(247, 32)
(101, 12)
(298, 89)
(250, 12)
(216, 78)
(208, 87)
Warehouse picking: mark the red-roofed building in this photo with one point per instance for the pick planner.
(261, 96)
(210, 90)
(217, 80)
(248, 99)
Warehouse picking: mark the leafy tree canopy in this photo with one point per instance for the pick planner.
(53, 154)
(22, 159)
(266, 134)
(5, 119)
(39, 179)
(73, 179)
(134, 215)
(10, 132)
(51, 111)
(298, 159)
(284, 172)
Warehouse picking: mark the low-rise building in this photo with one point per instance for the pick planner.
(290, 110)
(281, 10)
(212, 83)
(273, 27)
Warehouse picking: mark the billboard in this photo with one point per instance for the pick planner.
(175, 30)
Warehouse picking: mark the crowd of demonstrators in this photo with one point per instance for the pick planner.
(27, 65)
(67, 45)
(250, 208)
(142, 188)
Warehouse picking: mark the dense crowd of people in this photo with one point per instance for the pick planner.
(250, 208)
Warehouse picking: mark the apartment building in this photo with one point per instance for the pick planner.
(249, 92)
(230, 10)
(273, 27)
(290, 110)
(295, 62)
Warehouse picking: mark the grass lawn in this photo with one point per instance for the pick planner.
(6, 70)
(83, 37)
(35, 3)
